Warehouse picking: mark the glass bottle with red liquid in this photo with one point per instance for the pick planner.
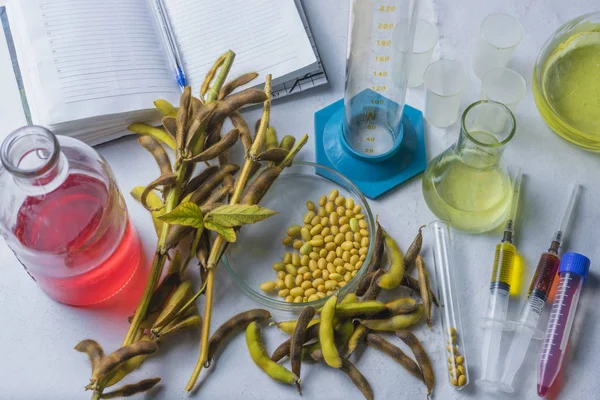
(63, 216)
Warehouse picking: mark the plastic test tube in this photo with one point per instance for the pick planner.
(500, 34)
(573, 271)
(503, 85)
(541, 283)
(426, 37)
(451, 323)
(445, 81)
(495, 317)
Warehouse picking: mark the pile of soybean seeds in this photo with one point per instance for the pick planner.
(331, 248)
(456, 369)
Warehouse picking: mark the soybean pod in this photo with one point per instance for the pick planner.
(414, 249)
(362, 308)
(377, 250)
(158, 152)
(284, 348)
(131, 389)
(240, 123)
(93, 350)
(357, 336)
(235, 83)
(396, 322)
(259, 186)
(353, 373)
(216, 149)
(394, 275)
(424, 287)
(403, 305)
(326, 334)
(287, 142)
(170, 125)
(257, 351)
(118, 357)
(413, 285)
(396, 353)
(298, 338)
(235, 323)
(420, 355)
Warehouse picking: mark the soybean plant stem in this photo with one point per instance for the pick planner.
(173, 199)
(219, 244)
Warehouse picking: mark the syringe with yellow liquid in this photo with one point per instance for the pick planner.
(495, 318)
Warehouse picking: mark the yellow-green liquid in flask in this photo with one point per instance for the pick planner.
(468, 188)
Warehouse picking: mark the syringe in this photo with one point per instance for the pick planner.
(495, 318)
(573, 270)
(541, 283)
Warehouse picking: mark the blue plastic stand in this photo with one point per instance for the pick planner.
(373, 175)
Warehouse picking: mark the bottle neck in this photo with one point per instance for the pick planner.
(33, 157)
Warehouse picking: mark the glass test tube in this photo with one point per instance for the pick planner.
(377, 73)
(458, 372)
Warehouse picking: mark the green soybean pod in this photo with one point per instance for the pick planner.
(326, 334)
(259, 355)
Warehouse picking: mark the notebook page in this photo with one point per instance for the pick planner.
(266, 35)
(95, 58)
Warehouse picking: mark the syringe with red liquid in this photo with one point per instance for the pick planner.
(573, 271)
(541, 283)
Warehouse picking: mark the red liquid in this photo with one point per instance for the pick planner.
(78, 252)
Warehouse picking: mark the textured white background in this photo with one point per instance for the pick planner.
(37, 335)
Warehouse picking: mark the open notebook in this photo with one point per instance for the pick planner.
(88, 69)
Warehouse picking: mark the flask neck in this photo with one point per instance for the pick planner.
(486, 128)
(32, 155)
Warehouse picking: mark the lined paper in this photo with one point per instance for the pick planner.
(266, 35)
(97, 58)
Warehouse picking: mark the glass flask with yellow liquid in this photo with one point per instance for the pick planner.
(467, 184)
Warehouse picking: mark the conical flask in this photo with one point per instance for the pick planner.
(467, 184)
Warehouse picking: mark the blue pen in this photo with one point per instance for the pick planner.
(169, 39)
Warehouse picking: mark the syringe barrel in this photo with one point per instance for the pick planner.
(450, 311)
(380, 41)
(542, 280)
(502, 268)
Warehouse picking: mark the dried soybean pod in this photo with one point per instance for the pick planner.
(326, 335)
(198, 180)
(287, 142)
(396, 322)
(403, 305)
(181, 295)
(183, 117)
(203, 192)
(396, 353)
(362, 308)
(213, 151)
(165, 180)
(170, 125)
(92, 349)
(166, 287)
(259, 186)
(210, 75)
(357, 378)
(413, 285)
(420, 355)
(131, 389)
(298, 338)
(240, 123)
(357, 336)
(276, 155)
(225, 107)
(414, 249)
(394, 275)
(158, 152)
(259, 355)
(374, 289)
(118, 357)
(235, 323)
(366, 281)
(285, 347)
(176, 326)
(234, 84)
(203, 249)
(377, 250)
(424, 287)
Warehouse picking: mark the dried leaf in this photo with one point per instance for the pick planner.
(186, 214)
(233, 215)
(227, 233)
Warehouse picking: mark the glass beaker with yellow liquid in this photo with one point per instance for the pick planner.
(467, 184)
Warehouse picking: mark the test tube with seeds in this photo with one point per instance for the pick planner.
(452, 333)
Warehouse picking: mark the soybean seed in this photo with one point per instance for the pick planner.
(310, 205)
(283, 293)
(305, 233)
(325, 274)
(297, 244)
(306, 248)
(331, 245)
(359, 264)
(314, 255)
(321, 289)
(354, 260)
(289, 282)
(291, 270)
(316, 229)
(307, 276)
(344, 228)
(321, 295)
(364, 232)
(309, 291)
(338, 261)
(296, 291)
(341, 284)
(322, 200)
(330, 256)
(341, 211)
(362, 224)
(349, 267)
(339, 238)
(294, 230)
(330, 284)
(346, 256)
(336, 277)
(348, 276)
(321, 212)
(462, 380)
(357, 209)
(334, 229)
(329, 207)
(315, 220)
(350, 203)
(280, 284)
(281, 274)
(340, 200)
(312, 265)
(296, 260)
(316, 242)
(287, 257)
(349, 214)
(339, 251)
(322, 263)
(331, 268)
(316, 273)
(334, 219)
(460, 360)
(306, 285)
(347, 245)
(289, 299)
(287, 241)
(268, 286)
(278, 266)
(313, 297)
(298, 299)
(354, 224)
(359, 216)
(299, 279)
(353, 252)
(304, 260)
(324, 221)
(349, 236)
(333, 194)
(308, 216)
(357, 237)
(340, 270)
(317, 282)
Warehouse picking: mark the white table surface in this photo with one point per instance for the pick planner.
(37, 335)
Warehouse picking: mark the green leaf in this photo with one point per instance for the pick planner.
(228, 233)
(238, 214)
(187, 214)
